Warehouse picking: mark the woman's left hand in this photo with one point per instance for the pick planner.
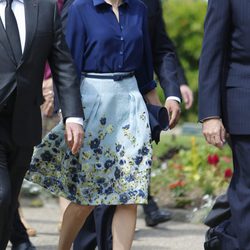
(174, 112)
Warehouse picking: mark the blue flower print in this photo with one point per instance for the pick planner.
(53, 136)
(145, 151)
(123, 198)
(98, 151)
(126, 127)
(109, 190)
(141, 193)
(118, 147)
(108, 164)
(75, 178)
(130, 178)
(46, 156)
(103, 121)
(101, 180)
(95, 143)
(117, 173)
(138, 160)
(72, 188)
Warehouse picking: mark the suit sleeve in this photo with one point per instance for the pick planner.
(182, 80)
(64, 73)
(216, 37)
(145, 74)
(165, 63)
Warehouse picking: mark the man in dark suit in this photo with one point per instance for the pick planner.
(224, 105)
(30, 34)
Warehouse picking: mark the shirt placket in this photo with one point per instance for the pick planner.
(122, 46)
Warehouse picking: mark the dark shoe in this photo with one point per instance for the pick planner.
(212, 241)
(156, 217)
(23, 246)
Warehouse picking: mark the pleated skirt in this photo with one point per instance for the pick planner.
(113, 164)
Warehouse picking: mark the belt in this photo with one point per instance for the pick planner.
(110, 76)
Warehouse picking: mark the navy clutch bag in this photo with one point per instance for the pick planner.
(158, 120)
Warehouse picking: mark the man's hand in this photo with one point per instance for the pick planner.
(187, 96)
(214, 132)
(74, 136)
(48, 106)
(174, 112)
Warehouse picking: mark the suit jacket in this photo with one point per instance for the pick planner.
(165, 62)
(44, 41)
(224, 79)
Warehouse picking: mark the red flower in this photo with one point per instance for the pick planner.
(213, 159)
(228, 173)
(176, 184)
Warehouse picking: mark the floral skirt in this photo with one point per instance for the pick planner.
(113, 165)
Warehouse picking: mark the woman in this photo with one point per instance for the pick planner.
(109, 43)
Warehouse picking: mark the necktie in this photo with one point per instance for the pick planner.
(12, 31)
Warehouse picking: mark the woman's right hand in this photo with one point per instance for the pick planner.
(48, 106)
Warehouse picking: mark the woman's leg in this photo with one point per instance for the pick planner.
(63, 205)
(73, 219)
(123, 227)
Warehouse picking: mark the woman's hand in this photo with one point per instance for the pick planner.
(48, 106)
(174, 112)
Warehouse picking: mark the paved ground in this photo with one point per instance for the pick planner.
(168, 236)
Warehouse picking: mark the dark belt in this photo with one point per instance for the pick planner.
(114, 76)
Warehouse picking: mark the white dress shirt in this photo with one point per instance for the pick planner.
(18, 9)
(175, 98)
(19, 12)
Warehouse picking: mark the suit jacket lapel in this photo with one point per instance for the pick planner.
(5, 42)
(31, 16)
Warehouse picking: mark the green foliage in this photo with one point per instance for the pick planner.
(184, 24)
(196, 170)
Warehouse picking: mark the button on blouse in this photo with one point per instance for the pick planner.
(102, 44)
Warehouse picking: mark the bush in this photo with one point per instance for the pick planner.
(184, 24)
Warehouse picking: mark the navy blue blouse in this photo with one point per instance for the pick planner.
(101, 44)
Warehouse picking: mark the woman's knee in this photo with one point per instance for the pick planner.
(130, 207)
(80, 210)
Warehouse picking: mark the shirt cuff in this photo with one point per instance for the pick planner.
(175, 98)
(77, 120)
(209, 118)
(148, 87)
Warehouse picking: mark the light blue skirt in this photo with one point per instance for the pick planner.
(113, 165)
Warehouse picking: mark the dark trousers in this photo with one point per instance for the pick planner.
(234, 223)
(18, 233)
(238, 227)
(14, 162)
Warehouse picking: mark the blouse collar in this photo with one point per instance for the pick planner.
(101, 2)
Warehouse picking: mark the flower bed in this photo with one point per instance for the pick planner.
(194, 170)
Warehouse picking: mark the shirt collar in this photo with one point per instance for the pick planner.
(100, 2)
